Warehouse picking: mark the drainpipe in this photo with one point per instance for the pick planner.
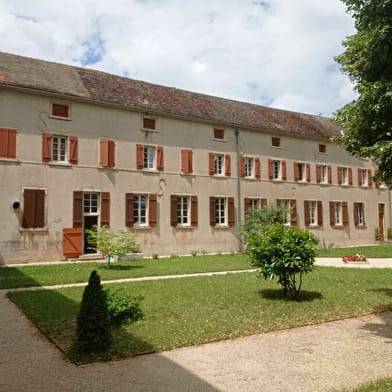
(237, 148)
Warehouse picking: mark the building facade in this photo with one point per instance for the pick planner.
(80, 148)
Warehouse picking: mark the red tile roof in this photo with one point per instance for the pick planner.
(105, 88)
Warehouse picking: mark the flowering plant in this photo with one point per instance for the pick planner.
(356, 257)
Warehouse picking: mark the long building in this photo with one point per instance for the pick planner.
(80, 147)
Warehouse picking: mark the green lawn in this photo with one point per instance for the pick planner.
(381, 385)
(381, 251)
(44, 275)
(180, 312)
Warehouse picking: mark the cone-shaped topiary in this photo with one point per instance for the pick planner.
(93, 330)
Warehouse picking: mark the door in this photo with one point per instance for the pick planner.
(381, 220)
(91, 208)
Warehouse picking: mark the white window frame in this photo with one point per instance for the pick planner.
(140, 210)
(277, 169)
(249, 167)
(323, 174)
(313, 218)
(149, 157)
(219, 164)
(59, 148)
(364, 177)
(285, 203)
(361, 214)
(254, 203)
(301, 171)
(221, 212)
(91, 204)
(344, 175)
(338, 213)
(183, 208)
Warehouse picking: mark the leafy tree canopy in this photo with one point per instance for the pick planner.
(367, 60)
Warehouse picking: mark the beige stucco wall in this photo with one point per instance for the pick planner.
(29, 115)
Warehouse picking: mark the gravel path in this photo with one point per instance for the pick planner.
(325, 357)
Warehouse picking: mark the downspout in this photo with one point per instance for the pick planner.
(237, 148)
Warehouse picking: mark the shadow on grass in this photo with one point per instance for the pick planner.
(278, 295)
(119, 267)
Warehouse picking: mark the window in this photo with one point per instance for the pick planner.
(186, 161)
(285, 203)
(149, 123)
(276, 169)
(7, 143)
(107, 153)
(222, 211)
(338, 213)
(291, 206)
(323, 174)
(322, 148)
(275, 141)
(140, 210)
(301, 171)
(33, 209)
(363, 177)
(359, 214)
(219, 133)
(313, 213)
(249, 167)
(59, 148)
(61, 111)
(345, 176)
(149, 157)
(90, 204)
(219, 164)
(183, 211)
(253, 202)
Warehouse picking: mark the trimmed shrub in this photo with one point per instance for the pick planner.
(283, 252)
(93, 330)
(123, 307)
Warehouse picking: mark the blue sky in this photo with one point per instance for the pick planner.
(276, 53)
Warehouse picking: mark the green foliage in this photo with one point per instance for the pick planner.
(123, 307)
(93, 330)
(368, 62)
(258, 217)
(285, 253)
(389, 233)
(112, 243)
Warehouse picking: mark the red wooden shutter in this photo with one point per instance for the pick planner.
(263, 203)
(296, 171)
(270, 169)
(104, 152)
(139, 156)
(4, 143)
(293, 212)
(11, 143)
(46, 147)
(111, 153)
(194, 210)
(7, 143)
(257, 168)
(329, 169)
(227, 165)
(212, 211)
(307, 212)
(242, 166)
(370, 179)
(211, 163)
(73, 149)
(105, 209)
(345, 213)
(33, 208)
(350, 176)
(318, 174)
(160, 158)
(247, 204)
(40, 208)
(356, 214)
(77, 219)
(359, 174)
(332, 213)
(230, 211)
(173, 210)
(72, 242)
(152, 210)
(320, 213)
(186, 161)
(284, 171)
(339, 175)
(190, 161)
(308, 179)
(129, 209)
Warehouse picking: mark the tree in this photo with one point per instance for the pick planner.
(367, 60)
(93, 330)
(283, 252)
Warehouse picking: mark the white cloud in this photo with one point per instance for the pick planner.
(277, 53)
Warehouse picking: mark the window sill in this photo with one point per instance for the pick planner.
(59, 164)
(276, 147)
(221, 227)
(149, 130)
(151, 171)
(9, 160)
(184, 227)
(314, 227)
(219, 140)
(60, 118)
(141, 228)
(33, 230)
(360, 227)
(338, 227)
